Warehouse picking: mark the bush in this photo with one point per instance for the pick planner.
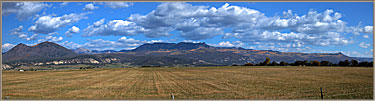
(248, 64)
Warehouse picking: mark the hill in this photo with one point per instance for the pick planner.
(42, 51)
(163, 54)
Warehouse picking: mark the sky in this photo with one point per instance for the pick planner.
(309, 27)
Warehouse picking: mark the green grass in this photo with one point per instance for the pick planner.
(191, 83)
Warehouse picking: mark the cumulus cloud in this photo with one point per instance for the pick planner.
(18, 32)
(116, 5)
(368, 29)
(229, 44)
(32, 37)
(70, 45)
(48, 24)
(23, 10)
(114, 27)
(365, 36)
(101, 44)
(98, 23)
(64, 3)
(191, 41)
(71, 31)
(194, 21)
(122, 43)
(248, 25)
(364, 45)
(89, 7)
(51, 39)
(7, 46)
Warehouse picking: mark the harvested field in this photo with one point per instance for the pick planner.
(191, 83)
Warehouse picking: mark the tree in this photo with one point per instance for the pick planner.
(273, 63)
(354, 63)
(300, 63)
(282, 63)
(248, 64)
(306, 63)
(362, 64)
(325, 63)
(315, 63)
(267, 61)
(346, 63)
(371, 64)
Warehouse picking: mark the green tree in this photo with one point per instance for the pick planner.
(354, 63)
(267, 61)
(273, 63)
(325, 63)
(282, 63)
(315, 63)
(346, 63)
(248, 64)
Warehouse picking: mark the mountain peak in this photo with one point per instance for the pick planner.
(44, 50)
(21, 44)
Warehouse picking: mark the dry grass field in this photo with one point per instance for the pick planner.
(191, 83)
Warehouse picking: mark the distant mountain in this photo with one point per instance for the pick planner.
(103, 51)
(363, 59)
(167, 54)
(42, 51)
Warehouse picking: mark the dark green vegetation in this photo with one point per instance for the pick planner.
(259, 82)
(346, 63)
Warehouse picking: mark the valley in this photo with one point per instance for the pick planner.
(224, 82)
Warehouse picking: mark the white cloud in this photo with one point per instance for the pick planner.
(32, 37)
(114, 27)
(70, 45)
(128, 40)
(100, 44)
(368, 29)
(18, 32)
(365, 36)
(49, 24)
(155, 41)
(248, 25)
(121, 43)
(89, 7)
(195, 21)
(23, 10)
(116, 5)
(229, 44)
(191, 41)
(356, 54)
(98, 23)
(7, 46)
(364, 45)
(201, 33)
(64, 3)
(51, 39)
(71, 31)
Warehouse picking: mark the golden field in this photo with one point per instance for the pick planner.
(191, 83)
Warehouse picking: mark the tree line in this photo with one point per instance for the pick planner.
(346, 63)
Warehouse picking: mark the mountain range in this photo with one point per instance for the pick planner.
(163, 54)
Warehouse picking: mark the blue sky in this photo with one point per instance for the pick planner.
(311, 27)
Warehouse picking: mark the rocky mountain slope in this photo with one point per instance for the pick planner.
(41, 51)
